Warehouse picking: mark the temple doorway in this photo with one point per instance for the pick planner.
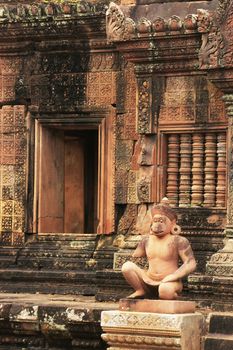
(68, 184)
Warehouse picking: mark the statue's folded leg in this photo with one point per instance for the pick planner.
(169, 290)
(133, 275)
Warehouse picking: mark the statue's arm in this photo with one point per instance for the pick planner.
(140, 251)
(187, 257)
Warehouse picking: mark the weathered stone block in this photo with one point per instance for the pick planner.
(152, 331)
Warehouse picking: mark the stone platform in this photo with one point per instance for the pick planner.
(40, 321)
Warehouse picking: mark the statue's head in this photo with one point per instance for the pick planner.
(163, 219)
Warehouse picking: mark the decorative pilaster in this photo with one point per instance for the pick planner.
(173, 169)
(144, 105)
(185, 170)
(221, 263)
(221, 170)
(210, 173)
(197, 170)
(228, 99)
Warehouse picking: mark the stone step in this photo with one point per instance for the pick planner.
(77, 237)
(105, 285)
(58, 322)
(63, 282)
(221, 323)
(218, 342)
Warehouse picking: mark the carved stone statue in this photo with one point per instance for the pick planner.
(163, 247)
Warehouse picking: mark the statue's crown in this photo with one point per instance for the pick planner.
(164, 208)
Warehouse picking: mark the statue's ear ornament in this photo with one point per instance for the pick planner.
(176, 230)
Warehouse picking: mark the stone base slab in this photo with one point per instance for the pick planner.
(157, 306)
(152, 331)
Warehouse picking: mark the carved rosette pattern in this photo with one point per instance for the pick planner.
(221, 170)
(185, 170)
(173, 169)
(144, 117)
(12, 174)
(210, 170)
(197, 169)
(101, 88)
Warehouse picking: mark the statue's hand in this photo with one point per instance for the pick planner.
(169, 278)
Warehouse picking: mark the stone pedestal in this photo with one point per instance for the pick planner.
(157, 306)
(142, 330)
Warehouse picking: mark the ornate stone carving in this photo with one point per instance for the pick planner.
(114, 22)
(120, 27)
(144, 112)
(228, 99)
(144, 189)
(13, 172)
(185, 170)
(210, 170)
(190, 23)
(159, 25)
(174, 24)
(137, 330)
(127, 220)
(210, 54)
(173, 169)
(197, 170)
(221, 170)
(144, 26)
(40, 11)
(117, 25)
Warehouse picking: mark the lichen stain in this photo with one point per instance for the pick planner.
(72, 316)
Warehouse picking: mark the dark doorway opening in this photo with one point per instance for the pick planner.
(68, 188)
(80, 181)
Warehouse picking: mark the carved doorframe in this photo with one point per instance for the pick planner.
(103, 121)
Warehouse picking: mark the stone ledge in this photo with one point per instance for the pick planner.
(39, 322)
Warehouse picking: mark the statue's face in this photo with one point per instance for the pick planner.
(161, 225)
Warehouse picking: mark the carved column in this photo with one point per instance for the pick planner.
(185, 170)
(173, 169)
(197, 170)
(229, 105)
(210, 173)
(221, 170)
(221, 263)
